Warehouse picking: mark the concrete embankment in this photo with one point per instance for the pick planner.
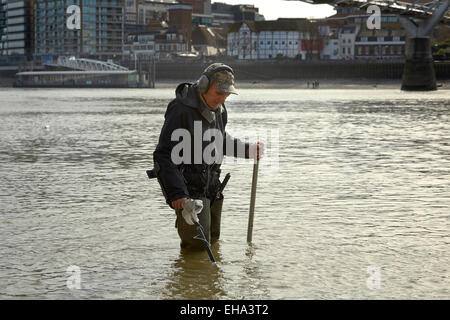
(288, 74)
(7, 78)
(300, 70)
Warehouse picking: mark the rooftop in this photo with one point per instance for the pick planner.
(282, 24)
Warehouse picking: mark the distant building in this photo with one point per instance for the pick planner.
(162, 45)
(198, 6)
(347, 36)
(202, 19)
(331, 41)
(180, 22)
(140, 46)
(131, 11)
(140, 14)
(179, 14)
(169, 44)
(100, 36)
(330, 49)
(225, 14)
(144, 12)
(154, 11)
(386, 43)
(164, 29)
(16, 31)
(356, 41)
(282, 38)
(248, 12)
(208, 41)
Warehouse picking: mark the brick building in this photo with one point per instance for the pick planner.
(180, 22)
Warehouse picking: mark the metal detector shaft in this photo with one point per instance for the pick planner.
(201, 236)
(252, 202)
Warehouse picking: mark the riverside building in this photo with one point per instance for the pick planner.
(100, 35)
(15, 31)
(282, 38)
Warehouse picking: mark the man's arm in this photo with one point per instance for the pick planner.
(172, 180)
(233, 147)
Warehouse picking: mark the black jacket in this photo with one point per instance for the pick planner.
(195, 177)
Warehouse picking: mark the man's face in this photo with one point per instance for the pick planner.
(214, 97)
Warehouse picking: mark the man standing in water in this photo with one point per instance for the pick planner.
(190, 168)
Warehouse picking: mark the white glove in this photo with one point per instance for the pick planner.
(191, 209)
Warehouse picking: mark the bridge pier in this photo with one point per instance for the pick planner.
(418, 72)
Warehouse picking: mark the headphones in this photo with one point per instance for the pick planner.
(204, 82)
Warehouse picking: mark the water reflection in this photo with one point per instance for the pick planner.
(254, 287)
(194, 276)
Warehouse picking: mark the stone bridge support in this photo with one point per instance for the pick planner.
(418, 73)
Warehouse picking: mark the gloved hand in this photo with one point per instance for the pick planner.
(191, 209)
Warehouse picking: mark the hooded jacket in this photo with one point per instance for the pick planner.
(195, 175)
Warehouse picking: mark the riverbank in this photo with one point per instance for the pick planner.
(7, 82)
(302, 84)
(290, 75)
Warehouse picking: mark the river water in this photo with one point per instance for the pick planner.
(355, 204)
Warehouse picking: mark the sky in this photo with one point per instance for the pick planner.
(274, 9)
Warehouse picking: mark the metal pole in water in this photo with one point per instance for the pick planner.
(252, 202)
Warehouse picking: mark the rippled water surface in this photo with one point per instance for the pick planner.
(358, 206)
